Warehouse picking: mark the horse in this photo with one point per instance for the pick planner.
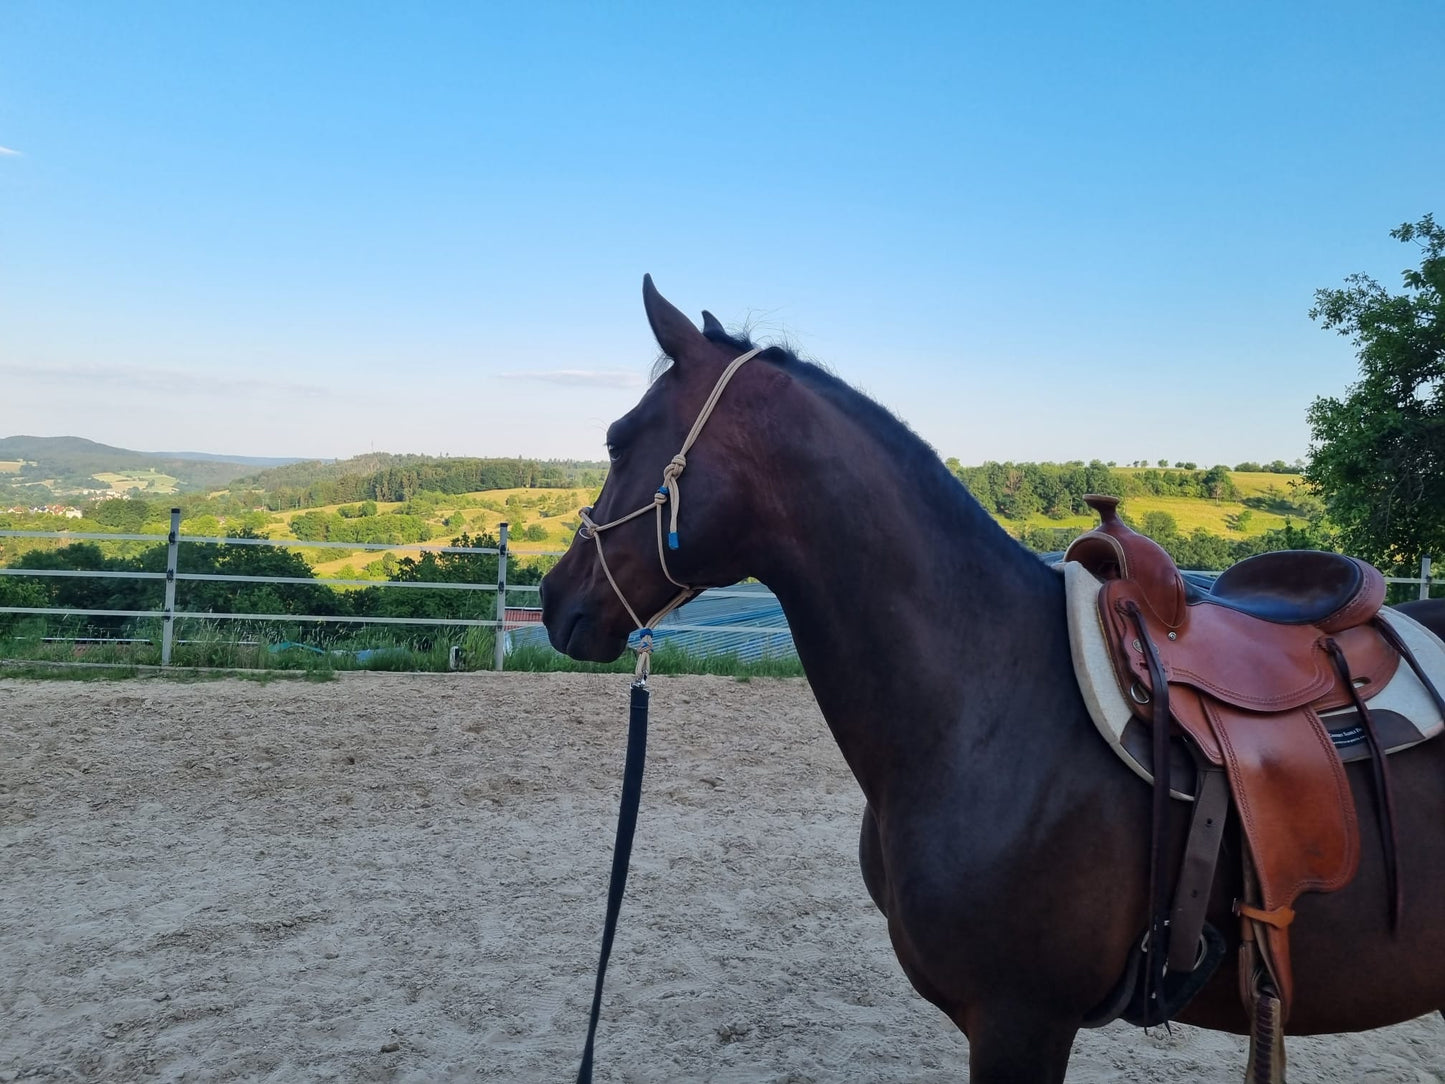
(1002, 840)
(1430, 612)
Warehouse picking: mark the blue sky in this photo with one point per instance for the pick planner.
(1045, 231)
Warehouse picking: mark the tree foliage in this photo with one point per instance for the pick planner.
(402, 478)
(1379, 452)
(1020, 490)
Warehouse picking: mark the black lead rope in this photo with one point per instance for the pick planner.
(621, 853)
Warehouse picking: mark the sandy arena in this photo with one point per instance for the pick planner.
(401, 878)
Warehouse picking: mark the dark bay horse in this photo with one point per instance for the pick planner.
(1002, 839)
(1430, 612)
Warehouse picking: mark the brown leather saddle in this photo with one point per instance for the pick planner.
(1244, 674)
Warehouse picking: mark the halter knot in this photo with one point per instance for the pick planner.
(644, 655)
(674, 493)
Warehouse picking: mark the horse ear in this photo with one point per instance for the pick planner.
(711, 328)
(675, 333)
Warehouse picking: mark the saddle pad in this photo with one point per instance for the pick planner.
(1403, 710)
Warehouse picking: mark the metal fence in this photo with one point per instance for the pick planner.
(764, 635)
(169, 615)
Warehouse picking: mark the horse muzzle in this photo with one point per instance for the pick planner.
(579, 630)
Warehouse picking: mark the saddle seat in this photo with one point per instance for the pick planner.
(1244, 674)
(1302, 587)
(1286, 587)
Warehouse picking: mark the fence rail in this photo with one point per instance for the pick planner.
(168, 614)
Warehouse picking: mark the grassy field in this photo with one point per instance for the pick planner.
(1193, 513)
(1190, 513)
(147, 481)
(11, 466)
(1262, 484)
(550, 512)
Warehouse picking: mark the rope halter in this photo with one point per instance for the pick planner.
(669, 493)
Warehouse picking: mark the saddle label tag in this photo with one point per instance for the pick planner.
(1348, 736)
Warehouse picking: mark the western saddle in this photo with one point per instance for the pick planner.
(1244, 673)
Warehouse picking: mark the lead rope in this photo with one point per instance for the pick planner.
(631, 798)
(621, 855)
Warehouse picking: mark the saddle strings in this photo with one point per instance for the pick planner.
(669, 493)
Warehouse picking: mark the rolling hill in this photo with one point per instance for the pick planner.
(66, 466)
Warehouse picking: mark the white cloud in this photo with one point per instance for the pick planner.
(139, 378)
(8, 152)
(582, 378)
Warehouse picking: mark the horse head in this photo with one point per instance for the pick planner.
(627, 564)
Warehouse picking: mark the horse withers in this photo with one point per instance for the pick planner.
(1003, 841)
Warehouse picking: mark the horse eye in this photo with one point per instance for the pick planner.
(614, 453)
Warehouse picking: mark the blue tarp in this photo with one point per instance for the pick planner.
(752, 605)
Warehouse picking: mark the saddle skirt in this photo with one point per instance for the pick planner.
(1404, 712)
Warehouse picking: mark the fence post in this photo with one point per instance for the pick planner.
(168, 618)
(1425, 576)
(499, 649)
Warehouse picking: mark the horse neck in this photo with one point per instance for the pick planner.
(913, 627)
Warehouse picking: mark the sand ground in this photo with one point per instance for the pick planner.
(401, 877)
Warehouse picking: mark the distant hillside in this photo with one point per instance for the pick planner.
(65, 466)
(305, 472)
(262, 461)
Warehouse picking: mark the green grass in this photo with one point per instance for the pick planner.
(1260, 483)
(147, 481)
(665, 660)
(1194, 513)
(214, 649)
(481, 511)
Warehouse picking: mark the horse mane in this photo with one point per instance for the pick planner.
(895, 433)
(921, 463)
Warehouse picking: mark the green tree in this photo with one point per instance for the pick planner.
(1160, 526)
(15, 591)
(1379, 452)
(310, 526)
(127, 514)
(1217, 483)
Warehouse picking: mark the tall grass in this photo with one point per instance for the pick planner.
(322, 652)
(665, 660)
